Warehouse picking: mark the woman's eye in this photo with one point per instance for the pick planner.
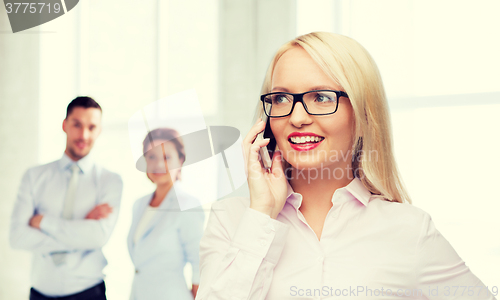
(324, 98)
(280, 99)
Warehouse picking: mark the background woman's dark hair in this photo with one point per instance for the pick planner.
(165, 134)
(83, 101)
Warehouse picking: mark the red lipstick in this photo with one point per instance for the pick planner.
(304, 146)
(296, 133)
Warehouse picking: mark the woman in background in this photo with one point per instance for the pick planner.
(162, 238)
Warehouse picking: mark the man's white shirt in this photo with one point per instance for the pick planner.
(42, 191)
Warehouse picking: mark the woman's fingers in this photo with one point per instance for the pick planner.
(277, 168)
(254, 165)
(249, 140)
(252, 134)
(255, 147)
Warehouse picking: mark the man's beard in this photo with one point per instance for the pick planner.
(76, 155)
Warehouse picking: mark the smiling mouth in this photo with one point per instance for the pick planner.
(301, 140)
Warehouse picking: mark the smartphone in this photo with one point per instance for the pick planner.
(265, 153)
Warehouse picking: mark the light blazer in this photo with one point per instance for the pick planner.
(170, 240)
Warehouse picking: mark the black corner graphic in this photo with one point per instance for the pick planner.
(28, 14)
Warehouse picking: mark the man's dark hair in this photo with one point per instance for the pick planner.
(83, 101)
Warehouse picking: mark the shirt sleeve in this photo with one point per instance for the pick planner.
(21, 234)
(84, 233)
(441, 273)
(239, 265)
(190, 233)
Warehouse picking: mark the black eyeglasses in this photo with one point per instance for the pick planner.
(317, 102)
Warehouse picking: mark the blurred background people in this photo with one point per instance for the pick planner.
(65, 212)
(162, 238)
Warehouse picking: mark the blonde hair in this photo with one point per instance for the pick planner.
(352, 67)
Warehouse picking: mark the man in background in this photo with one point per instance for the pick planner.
(65, 212)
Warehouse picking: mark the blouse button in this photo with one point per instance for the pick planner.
(268, 229)
(263, 243)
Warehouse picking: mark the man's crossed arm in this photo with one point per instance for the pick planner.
(45, 234)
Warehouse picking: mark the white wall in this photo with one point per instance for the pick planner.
(19, 118)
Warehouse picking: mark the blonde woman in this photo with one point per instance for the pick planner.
(331, 219)
(162, 238)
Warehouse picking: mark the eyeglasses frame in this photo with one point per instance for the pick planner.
(300, 98)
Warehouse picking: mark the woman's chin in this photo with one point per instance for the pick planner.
(159, 178)
(314, 170)
(308, 164)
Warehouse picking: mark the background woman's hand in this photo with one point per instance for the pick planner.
(267, 190)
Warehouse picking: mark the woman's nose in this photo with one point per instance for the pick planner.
(299, 115)
(157, 166)
(161, 164)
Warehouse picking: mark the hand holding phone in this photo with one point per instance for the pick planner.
(264, 152)
(267, 189)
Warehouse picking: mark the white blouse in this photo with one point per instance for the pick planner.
(369, 249)
(146, 218)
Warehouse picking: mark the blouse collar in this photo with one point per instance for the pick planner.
(354, 188)
(170, 199)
